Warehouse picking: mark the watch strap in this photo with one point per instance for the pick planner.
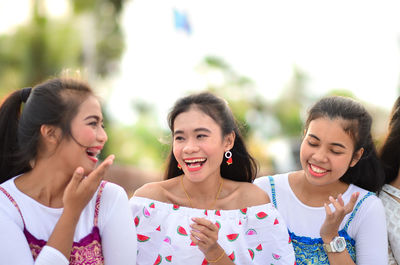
(328, 248)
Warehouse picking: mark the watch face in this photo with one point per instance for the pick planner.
(339, 243)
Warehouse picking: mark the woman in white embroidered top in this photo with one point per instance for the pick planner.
(390, 194)
(332, 215)
(207, 211)
(50, 213)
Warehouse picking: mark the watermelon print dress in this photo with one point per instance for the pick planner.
(364, 228)
(254, 235)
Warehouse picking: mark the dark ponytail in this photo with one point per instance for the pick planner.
(368, 172)
(10, 112)
(54, 102)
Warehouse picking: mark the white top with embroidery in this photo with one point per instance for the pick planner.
(392, 209)
(115, 225)
(368, 228)
(254, 235)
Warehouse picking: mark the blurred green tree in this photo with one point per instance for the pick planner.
(89, 38)
(144, 143)
(290, 105)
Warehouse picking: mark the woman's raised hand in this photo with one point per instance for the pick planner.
(80, 189)
(333, 219)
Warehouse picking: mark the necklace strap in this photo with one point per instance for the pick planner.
(218, 193)
(187, 195)
(190, 200)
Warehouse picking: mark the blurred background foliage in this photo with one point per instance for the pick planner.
(90, 38)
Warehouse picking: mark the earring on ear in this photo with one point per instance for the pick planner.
(228, 155)
(179, 166)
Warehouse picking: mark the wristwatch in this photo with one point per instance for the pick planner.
(338, 244)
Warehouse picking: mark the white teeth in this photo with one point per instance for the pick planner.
(317, 170)
(198, 160)
(93, 152)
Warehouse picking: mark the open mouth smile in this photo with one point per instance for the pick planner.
(317, 171)
(93, 153)
(194, 164)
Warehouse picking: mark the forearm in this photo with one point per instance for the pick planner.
(63, 234)
(342, 258)
(336, 258)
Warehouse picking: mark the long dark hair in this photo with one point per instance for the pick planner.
(389, 152)
(244, 167)
(368, 172)
(54, 102)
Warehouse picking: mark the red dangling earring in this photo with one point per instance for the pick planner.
(228, 155)
(179, 166)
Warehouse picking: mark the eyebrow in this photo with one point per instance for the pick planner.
(334, 144)
(195, 130)
(97, 118)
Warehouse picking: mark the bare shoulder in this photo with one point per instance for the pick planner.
(244, 194)
(150, 190)
(255, 194)
(155, 190)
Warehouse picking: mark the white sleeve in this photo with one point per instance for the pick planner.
(117, 229)
(134, 207)
(14, 248)
(264, 184)
(371, 237)
(50, 255)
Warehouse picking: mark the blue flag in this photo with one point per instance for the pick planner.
(182, 21)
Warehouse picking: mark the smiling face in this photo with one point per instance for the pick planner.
(327, 151)
(198, 144)
(88, 136)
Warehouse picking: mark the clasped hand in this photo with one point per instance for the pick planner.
(204, 234)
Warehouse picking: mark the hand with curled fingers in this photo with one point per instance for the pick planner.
(76, 196)
(204, 234)
(80, 189)
(333, 219)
